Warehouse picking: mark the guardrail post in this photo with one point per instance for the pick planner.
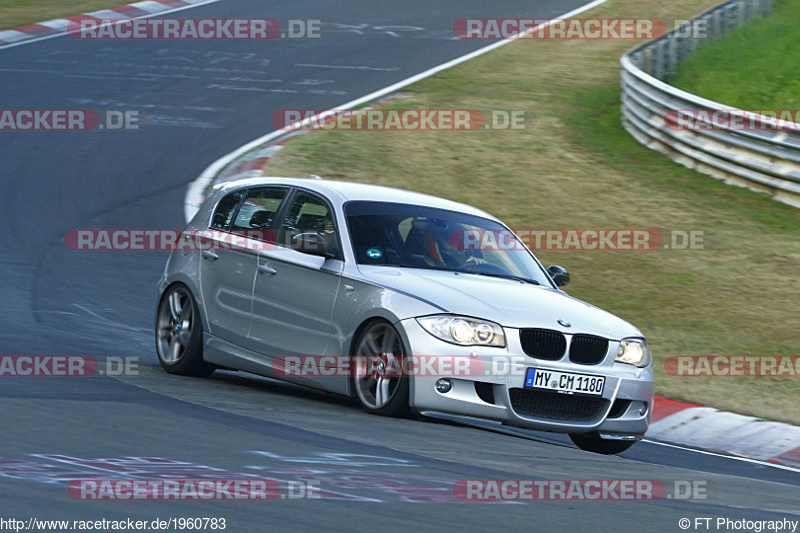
(691, 41)
(742, 15)
(731, 14)
(715, 31)
(647, 61)
(658, 71)
(672, 55)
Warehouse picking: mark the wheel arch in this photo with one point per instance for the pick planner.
(194, 290)
(377, 315)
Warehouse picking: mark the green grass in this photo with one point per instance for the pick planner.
(578, 168)
(14, 13)
(753, 67)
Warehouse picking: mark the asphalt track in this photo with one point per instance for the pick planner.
(202, 100)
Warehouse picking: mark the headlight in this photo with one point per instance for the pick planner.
(464, 331)
(633, 352)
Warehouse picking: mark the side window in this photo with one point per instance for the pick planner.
(258, 211)
(308, 214)
(225, 210)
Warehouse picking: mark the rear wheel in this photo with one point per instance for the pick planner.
(179, 334)
(593, 442)
(381, 389)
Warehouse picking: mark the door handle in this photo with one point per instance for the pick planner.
(210, 255)
(266, 269)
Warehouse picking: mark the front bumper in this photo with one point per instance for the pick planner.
(492, 388)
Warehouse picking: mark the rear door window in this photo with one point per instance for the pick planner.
(257, 213)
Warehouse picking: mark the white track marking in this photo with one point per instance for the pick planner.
(725, 456)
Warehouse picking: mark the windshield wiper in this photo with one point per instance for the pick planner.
(504, 276)
(424, 267)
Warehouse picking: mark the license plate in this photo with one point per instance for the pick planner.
(566, 382)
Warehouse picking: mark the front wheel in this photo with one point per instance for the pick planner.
(381, 389)
(593, 442)
(179, 334)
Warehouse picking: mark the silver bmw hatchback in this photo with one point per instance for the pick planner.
(408, 302)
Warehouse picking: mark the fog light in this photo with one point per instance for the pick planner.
(443, 385)
(643, 409)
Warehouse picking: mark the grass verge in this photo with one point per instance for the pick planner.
(15, 13)
(578, 168)
(752, 67)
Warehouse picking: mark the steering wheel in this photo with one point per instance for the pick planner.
(485, 268)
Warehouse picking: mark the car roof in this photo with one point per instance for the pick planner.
(346, 191)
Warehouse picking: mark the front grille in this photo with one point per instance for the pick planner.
(543, 343)
(554, 406)
(587, 349)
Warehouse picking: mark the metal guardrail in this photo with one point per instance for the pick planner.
(765, 159)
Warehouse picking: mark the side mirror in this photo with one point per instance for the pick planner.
(311, 243)
(219, 220)
(560, 275)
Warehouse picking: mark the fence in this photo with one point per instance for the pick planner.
(764, 157)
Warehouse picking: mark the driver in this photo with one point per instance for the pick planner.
(441, 251)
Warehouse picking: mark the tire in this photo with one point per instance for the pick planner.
(377, 393)
(179, 334)
(593, 442)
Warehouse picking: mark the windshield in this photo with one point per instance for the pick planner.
(405, 235)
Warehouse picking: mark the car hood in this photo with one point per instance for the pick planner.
(509, 303)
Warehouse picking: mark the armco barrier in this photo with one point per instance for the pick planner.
(765, 160)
